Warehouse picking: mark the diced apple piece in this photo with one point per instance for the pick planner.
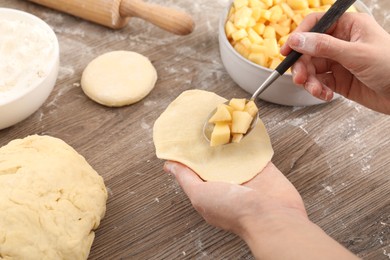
(267, 2)
(232, 11)
(239, 34)
(251, 108)
(237, 104)
(241, 49)
(258, 58)
(246, 42)
(281, 30)
(265, 13)
(240, 122)
(259, 28)
(287, 10)
(253, 3)
(229, 29)
(256, 14)
(257, 48)
(327, 2)
(254, 37)
(221, 115)
(229, 108)
(277, 13)
(237, 138)
(231, 17)
(283, 40)
(252, 22)
(240, 3)
(220, 134)
(286, 22)
(272, 47)
(298, 4)
(274, 63)
(314, 3)
(269, 32)
(297, 18)
(242, 17)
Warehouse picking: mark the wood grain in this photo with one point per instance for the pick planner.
(337, 154)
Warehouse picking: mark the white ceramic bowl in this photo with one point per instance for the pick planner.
(249, 75)
(29, 56)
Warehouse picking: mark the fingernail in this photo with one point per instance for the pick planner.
(310, 87)
(170, 167)
(326, 94)
(323, 94)
(329, 95)
(297, 40)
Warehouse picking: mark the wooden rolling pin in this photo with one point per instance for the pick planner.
(116, 13)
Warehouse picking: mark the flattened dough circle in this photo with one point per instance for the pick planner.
(118, 78)
(178, 136)
(51, 200)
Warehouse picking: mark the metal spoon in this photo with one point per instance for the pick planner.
(326, 21)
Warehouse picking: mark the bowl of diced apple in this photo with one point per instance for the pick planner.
(251, 33)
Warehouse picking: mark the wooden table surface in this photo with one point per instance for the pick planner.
(337, 155)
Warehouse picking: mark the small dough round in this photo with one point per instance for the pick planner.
(51, 200)
(178, 136)
(118, 78)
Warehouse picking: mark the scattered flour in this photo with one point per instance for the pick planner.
(65, 72)
(70, 31)
(149, 103)
(145, 125)
(386, 253)
(329, 188)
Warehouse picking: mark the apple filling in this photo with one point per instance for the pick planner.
(232, 121)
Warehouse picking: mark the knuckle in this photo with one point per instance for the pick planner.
(323, 45)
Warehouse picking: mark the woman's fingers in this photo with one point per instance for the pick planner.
(186, 178)
(322, 46)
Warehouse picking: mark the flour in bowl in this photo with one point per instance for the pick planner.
(25, 49)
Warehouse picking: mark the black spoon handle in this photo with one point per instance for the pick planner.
(326, 21)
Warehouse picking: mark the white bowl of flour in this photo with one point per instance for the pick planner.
(29, 62)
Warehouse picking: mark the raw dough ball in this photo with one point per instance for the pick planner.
(178, 136)
(51, 200)
(118, 78)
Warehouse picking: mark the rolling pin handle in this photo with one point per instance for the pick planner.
(171, 20)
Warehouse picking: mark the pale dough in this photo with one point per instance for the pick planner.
(118, 78)
(178, 136)
(51, 200)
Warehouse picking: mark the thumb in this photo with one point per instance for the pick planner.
(320, 45)
(186, 178)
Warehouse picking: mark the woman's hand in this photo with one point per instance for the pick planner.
(267, 212)
(353, 59)
(235, 207)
